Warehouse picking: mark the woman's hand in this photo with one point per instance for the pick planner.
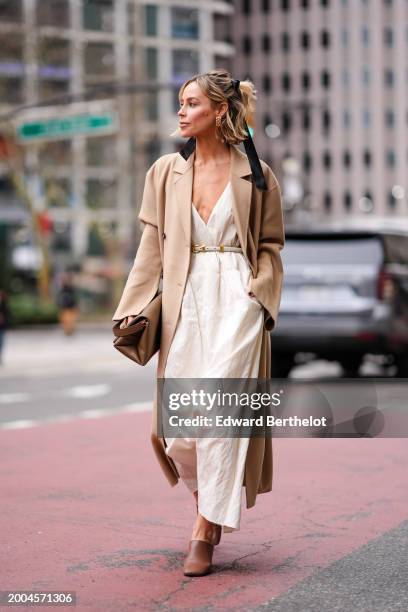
(126, 321)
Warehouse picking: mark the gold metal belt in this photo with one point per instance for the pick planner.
(203, 248)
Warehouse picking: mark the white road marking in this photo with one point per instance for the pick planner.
(85, 414)
(14, 398)
(87, 391)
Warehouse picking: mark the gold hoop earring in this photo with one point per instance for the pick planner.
(218, 121)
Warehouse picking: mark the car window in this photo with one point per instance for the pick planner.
(332, 251)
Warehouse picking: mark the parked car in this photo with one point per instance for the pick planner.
(345, 295)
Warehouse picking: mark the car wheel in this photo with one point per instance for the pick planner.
(281, 365)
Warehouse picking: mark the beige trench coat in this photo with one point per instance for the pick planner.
(164, 251)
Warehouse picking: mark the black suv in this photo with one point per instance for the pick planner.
(345, 295)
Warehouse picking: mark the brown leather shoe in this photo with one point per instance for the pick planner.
(199, 558)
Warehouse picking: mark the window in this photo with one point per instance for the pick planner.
(388, 37)
(367, 158)
(325, 39)
(326, 120)
(98, 15)
(346, 118)
(266, 42)
(99, 59)
(185, 64)
(325, 79)
(307, 161)
(389, 118)
(58, 192)
(246, 44)
(347, 159)
(184, 23)
(344, 38)
(327, 201)
(286, 121)
(54, 59)
(347, 200)
(366, 118)
(266, 6)
(389, 77)
(366, 76)
(305, 40)
(305, 80)
(151, 19)
(11, 90)
(286, 81)
(246, 7)
(101, 193)
(304, 4)
(266, 83)
(390, 159)
(285, 5)
(10, 11)
(56, 153)
(365, 36)
(53, 13)
(101, 151)
(327, 160)
(285, 42)
(306, 119)
(151, 63)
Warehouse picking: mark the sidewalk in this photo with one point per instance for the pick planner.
(44, 349)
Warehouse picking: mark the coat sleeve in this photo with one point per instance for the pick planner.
(267, 285)
(144, 278)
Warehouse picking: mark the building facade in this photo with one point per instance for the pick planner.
(332, 79)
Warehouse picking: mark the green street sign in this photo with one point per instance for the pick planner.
(48, 129)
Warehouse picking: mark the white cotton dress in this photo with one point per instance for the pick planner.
(218, 335)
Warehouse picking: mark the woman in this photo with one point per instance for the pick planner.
(219, 305)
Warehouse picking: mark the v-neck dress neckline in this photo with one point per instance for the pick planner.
(213, 208)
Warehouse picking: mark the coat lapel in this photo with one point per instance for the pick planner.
(241, 188)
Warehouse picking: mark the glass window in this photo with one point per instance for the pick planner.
(152, 106)
(11, 55)
(389, 77)
(54, 59)
(389, 37)
(58, 192)
(101, 151)
(99, 59)
(246, 7)
(347, 200)
(101, 193)
(151, 63)
(10, 11)
(11, 90)
(305, 40)
(366, 118)
(365, 36)
(184, 23)
(389, 117)
(98, 15)
(285, 42)
(327, 200)
(185, 64)
(151, 19)
(390, 158)
(53, 13)
(57, 153)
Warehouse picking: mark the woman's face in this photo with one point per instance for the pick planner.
(196, 115)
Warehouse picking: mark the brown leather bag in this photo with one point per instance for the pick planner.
(140, 340)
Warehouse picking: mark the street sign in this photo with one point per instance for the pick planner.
(50, 129)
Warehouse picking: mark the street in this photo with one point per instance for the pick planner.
(85, 506)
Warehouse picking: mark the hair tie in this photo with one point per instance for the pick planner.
(250, 150)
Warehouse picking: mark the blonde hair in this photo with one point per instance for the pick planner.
(217, 85)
